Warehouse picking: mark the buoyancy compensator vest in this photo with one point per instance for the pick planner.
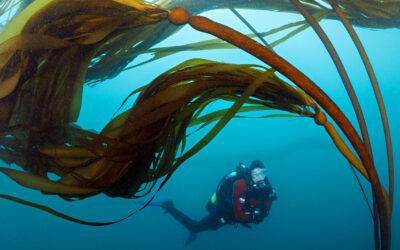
(222, 199)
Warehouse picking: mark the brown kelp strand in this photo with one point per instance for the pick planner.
(342, 72)
(320, 119)
(377, 92)
(235, 12)
(348, 86)
(382, 110)
(67, 217)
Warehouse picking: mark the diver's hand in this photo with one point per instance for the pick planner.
(272, 196)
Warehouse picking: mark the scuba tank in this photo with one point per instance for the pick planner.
(224, 191)
(222, 198)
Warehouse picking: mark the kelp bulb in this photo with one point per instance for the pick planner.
(178, 16)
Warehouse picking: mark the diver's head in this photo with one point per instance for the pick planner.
(257, 174)
(256, 164)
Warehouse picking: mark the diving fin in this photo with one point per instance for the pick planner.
(152, 203)
(161, 204)
(190, 238)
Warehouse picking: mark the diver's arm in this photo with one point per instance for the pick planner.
(268, 203)
(273, 196)
(271, 191)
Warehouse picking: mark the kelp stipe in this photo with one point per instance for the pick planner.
(350, 91)
(377, 92)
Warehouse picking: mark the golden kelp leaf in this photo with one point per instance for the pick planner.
(27, 42)
(58, 214)
(9, 84)
(73, 162)
(64, 151)
(39, 183)
(217, 115)
(113, 128)
(88, 173)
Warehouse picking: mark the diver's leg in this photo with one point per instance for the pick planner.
(210, 222)
(169, 207)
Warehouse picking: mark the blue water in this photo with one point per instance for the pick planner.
(319, 206)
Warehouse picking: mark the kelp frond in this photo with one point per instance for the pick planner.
(157, 53)
(236, 13)
(140, 145)
(54, 42)
(117, 55)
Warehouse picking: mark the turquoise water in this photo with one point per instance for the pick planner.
(319, 206)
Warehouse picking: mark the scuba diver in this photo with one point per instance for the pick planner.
(242, 197)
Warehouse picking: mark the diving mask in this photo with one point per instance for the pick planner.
(258, 177)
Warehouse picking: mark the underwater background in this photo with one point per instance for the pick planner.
(319, 206)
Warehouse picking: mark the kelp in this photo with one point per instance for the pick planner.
(349, 88)
(47, 50)
(161, 52)
(115, 56)
(140, 145)
(377, 92)
(353, 97)
(379, 15)
(245, 22)
(369, 13)
(45, 54)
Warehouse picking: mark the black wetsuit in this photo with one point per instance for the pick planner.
(212, 221)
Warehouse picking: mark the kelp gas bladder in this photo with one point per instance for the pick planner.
(47, 49)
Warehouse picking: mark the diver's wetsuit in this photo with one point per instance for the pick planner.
(245, 207)
(210, 222)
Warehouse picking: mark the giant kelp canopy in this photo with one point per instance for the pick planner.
(50, 48)
(118, 53)
(111, 60)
